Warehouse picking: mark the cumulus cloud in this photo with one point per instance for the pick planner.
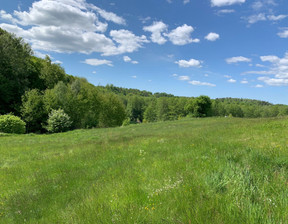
(198, 83)
(283, 33)
(259, 86)
(220, 3)
(237, 59)
(276, 18)
(59, 13)
(157, 28)
(274, 82)
(182, 35)
(263, 17)
(178, 36)
(277, 73)
(212, 36)
(48, 26)
(260, 66)
(263, 4)
(128, 59)
(269, 58)
(109, 16)
(97, 62)
(231, 80)
(256, 18)
(226, 11)
(191, 63)
(244, 81)
(184, 78)
(127, 42)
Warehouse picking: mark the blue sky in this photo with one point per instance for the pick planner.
(219, 48)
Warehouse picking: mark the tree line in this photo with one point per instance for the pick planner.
(34, 89)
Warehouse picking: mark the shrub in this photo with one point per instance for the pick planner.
(126, 122)
(12, 124)
(58, 121)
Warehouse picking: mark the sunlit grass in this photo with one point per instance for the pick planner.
(214, 170)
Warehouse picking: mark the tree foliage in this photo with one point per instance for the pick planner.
(14, 71)
(33, 110)
(199, 107)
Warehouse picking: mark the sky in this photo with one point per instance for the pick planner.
(218, 48)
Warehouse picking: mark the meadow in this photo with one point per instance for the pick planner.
(211, 170)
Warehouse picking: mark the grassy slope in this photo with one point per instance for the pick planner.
(190, 171)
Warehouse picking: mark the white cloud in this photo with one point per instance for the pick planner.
(48, 26)
(225, 11)
(127, 42)
(244, 82)
(145, 20)
(57, 62)
(220, 3)
(182, 35)
(256, 18)
(59, 13)
(257, 5)
(186, 2)
(276, 18)
(40, 54)
(198, 83)
(263, 4)
(274, 82)
(212, 36)
(258, 72)
(97, 62)
(237, 59)
(227, 76)
(184, 78)
(157, 28)
(263, 17)
(51, 38)
(191, 63)
(277, 73)
(174, 75)
(284, 33)
(134, 77)
(109, 16)
(94, 72)
(231, 80)
(128, 59)
(8, 17)
(260, 66)
(259, 86)
(269, 58)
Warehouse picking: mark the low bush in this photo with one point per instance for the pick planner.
(12, 124)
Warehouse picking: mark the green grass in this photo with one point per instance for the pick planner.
(214, 170)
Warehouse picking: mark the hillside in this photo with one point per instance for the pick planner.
(213, 170)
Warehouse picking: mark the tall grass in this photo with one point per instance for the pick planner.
(214, 170)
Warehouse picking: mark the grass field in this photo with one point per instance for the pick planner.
(213, 170)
